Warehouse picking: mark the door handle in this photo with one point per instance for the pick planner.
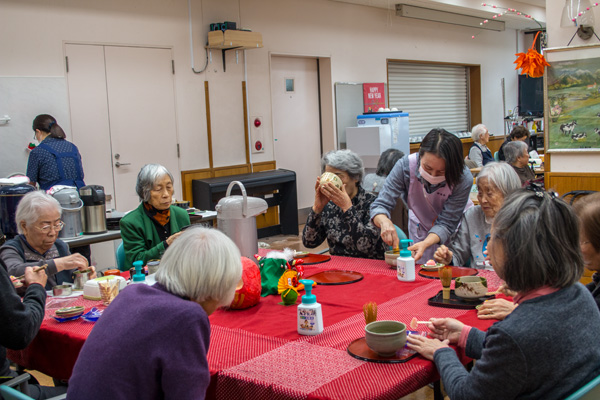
(118, 164)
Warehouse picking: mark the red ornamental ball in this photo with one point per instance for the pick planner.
(249, 294)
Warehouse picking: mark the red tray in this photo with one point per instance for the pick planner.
(335, 277)
(456, 272)
(456, 302)
(359, 349)
(311, 259)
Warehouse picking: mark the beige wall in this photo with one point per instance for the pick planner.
(559, 37)
(357, 39)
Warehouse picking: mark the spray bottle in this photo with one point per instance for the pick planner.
(405, 263)
(138, 277)
(310, 316)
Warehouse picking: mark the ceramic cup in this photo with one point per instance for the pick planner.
(391, 257)
(385, 337)
(470, 287)
(333, 178)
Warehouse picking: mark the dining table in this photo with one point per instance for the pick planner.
(257, 353)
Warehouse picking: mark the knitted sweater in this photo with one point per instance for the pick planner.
(471, 239)
(545, 349)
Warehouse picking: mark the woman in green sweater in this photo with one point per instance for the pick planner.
(149, 229)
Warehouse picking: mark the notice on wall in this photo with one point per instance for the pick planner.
(373, 96)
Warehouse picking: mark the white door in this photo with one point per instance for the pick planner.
(296, 127)
(122, 107)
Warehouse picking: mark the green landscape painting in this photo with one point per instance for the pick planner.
(574, 104)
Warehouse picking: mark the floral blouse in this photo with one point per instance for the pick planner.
(350, 233)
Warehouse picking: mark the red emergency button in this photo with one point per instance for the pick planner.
(258, 145)
(257, 123)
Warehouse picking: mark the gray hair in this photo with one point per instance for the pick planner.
(539, 235)
(501, 175)
(477, 131)
(513, 150)
(31, 205)
(147, 177)
(201, 264)
(345, 160)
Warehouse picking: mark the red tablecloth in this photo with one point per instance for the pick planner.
(257, 353)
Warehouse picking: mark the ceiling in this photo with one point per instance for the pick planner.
(536, 8)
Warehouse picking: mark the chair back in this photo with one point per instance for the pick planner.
(8, 393)
(121, 258)
(589, 391)
(496, 156)
(574, 194)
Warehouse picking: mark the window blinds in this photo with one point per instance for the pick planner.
(434, 95)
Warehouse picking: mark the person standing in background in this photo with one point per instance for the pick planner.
(55, 161)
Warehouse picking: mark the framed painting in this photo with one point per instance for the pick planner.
(572, 99)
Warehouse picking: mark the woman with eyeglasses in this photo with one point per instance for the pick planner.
(55, 161)
(38, 223)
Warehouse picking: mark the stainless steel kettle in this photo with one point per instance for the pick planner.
(94, 209)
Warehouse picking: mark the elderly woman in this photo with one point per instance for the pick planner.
(151, 228)
(374, 182)
(166, 326)
(38, 223)
(547, 347)
(520, 134)
(516, 155)
(342, 215)
(479, 153)
(435, 184)
(494, 183)
(588, 211)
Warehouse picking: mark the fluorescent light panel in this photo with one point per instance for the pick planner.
(428, 14)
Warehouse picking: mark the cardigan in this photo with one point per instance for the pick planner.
(471, 239)
(140, 237)
(149, 344)
(545, 349)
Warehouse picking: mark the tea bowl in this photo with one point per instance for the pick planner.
(333, 178)
(470, 287)
(391, 257)
(385, 337)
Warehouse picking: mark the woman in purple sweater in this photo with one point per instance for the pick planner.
(151, 342)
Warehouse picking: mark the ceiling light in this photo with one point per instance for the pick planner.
(428, 14)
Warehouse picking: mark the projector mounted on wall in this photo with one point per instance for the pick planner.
(428, 14)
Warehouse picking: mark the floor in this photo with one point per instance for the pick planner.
(281, 242)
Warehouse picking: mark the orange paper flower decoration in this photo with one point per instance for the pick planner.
(531, 63)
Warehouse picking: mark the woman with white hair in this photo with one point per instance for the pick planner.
(479, 152)
(162, 331)
(547, 347)
(152, 227)
(516, 155)
(467, 246)
(38, 223)
(342, 215)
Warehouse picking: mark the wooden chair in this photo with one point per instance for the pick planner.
(589, 391)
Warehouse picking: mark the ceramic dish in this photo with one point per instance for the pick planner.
(69, 311)
(300, 254)
(432, 267)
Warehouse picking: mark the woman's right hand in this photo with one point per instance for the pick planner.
(32, 277)
(174, 236)
(443, 255)
(445, 328)
(388, 230)
(74, 261)
(320, 199)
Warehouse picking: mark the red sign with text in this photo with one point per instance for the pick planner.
(373, 95)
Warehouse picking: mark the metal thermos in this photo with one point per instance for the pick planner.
(71, 205)
(10, 196)
(94, 209)
(236, 217)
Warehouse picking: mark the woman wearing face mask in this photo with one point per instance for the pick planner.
(435, 184)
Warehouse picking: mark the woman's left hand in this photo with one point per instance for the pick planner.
(339, 197)
(495, 309)
(92, 274)
(425, 346)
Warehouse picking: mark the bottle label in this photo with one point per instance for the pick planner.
(401, 270)
(308, 318)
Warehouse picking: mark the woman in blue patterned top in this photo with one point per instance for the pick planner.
(342, 215)
(55, 161)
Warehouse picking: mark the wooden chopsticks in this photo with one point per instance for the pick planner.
(36, 269)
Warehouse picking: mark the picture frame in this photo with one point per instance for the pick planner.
(572, 99)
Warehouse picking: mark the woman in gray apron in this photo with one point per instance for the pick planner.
(435, 184)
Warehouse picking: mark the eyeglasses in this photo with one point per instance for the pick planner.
(46, 228)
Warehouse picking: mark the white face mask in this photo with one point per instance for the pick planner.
(434, 180)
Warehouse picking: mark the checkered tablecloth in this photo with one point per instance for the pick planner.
(258, 354)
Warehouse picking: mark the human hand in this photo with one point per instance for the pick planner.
(174, 236)
(445, 328)
(425, 346)
(73, 261)
(320, 199)
(339, 196)
(388, 230)
(418, 249)
(92, 274)
(443, 255)
(32, 277)
(506, 291)
(495, 309)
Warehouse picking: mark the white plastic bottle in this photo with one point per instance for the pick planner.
(310, 316)
(405, 263)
